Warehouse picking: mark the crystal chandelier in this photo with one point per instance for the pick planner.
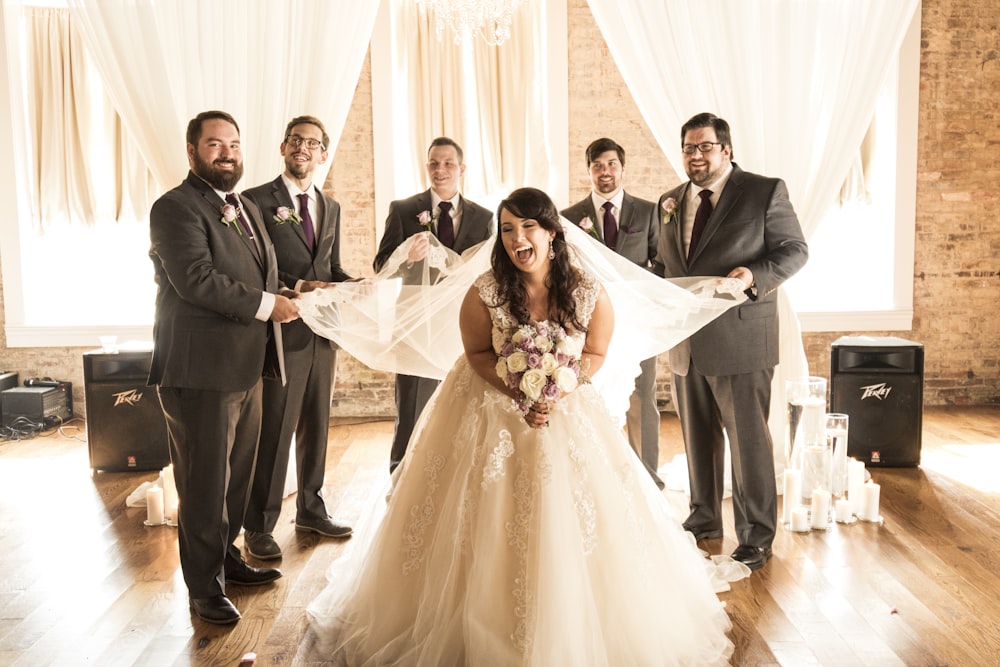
(490, 19)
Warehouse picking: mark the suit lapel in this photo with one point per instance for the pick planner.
(731, 194)
(284, 199)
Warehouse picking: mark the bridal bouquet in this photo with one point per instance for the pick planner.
(539, 362)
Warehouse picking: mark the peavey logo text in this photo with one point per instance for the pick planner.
(130, 397)
(879, 391)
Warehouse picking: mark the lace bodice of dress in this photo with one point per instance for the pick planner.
(586, 294)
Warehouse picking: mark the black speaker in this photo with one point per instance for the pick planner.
(125, 425)
(878, 382)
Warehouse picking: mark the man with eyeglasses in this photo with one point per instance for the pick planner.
(728, 222)
(629, 226)
(304, 225)
(459, 224)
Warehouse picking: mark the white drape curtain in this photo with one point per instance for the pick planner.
(491, 100)
(83, 167)
(264, 62)
(797, 82)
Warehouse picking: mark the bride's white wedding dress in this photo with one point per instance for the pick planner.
(506, 545)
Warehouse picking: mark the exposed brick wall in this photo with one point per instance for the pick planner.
(956, 272)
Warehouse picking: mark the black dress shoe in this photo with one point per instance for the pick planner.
(704, 534)
(324, 526)
(261, 545)
(752, 557)
(216, 609)
(238, 572)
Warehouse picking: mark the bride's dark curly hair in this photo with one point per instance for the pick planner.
(563, 278)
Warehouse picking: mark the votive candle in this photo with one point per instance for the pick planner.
(820, 509)
(792, 494)
(869, 505)
(154, 505)
(800, 519)
(843, 511)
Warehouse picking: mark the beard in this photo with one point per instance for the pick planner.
(219, 179)
(299, 170)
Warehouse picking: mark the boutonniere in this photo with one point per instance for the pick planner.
(426, 220)
(669, 207)
(587, 225)
(229, 214)
(285, 214)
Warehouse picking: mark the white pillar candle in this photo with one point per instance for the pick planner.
(855, 482)
(154, 505)
(843, 511)
(169, 492)
(800, 519)
(869, 502)
(820, 509)
(792, 494)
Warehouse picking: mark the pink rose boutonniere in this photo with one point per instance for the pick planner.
(587, 225)
(229, 214)
(426, 219)
(285, 214)
(669, 207)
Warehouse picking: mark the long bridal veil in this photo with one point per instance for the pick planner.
(405, 319)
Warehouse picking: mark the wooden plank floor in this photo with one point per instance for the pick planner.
(84, 582)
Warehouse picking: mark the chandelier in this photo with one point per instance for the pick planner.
(490, 19)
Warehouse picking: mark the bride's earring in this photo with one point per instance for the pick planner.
(552, 253)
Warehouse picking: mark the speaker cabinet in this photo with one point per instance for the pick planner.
(125, 425)
(878, 383)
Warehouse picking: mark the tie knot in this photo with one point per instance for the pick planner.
(607, 206)
(303, 198)
(705, 194)
(231, 198)
(445, 206)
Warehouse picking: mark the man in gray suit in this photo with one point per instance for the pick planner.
(458, 224)
(629, 226)
(304, 225)
(215, 334)
(728, 222)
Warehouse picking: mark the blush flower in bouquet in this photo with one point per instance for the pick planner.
(540, 362)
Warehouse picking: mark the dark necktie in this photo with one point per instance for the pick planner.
(231, 198)
(446, 228)
(700, 218)
(307, 221)
(610, 226)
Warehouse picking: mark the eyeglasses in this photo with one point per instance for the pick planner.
(295, 141)
(704, 147)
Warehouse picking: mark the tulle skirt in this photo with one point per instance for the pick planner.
(505, 545)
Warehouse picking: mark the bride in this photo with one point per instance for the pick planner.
(521, 529)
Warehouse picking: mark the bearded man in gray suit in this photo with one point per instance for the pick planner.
(459, 224)
(216, 333)
(728, 222)
(629, 226)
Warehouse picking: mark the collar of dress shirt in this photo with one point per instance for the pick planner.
(455, 201)
(716, 187)
(615, 199)
(294, 190)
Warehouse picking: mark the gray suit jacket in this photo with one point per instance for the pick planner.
(753, 225)
(296, 261)
(401, 223)
(209, 284)
(638, 228)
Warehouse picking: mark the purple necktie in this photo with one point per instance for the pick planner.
(700, 218)
(231, 198)
(446, 228)
(307, 221)
(610, 226)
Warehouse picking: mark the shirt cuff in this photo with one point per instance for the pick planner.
(266, 307)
